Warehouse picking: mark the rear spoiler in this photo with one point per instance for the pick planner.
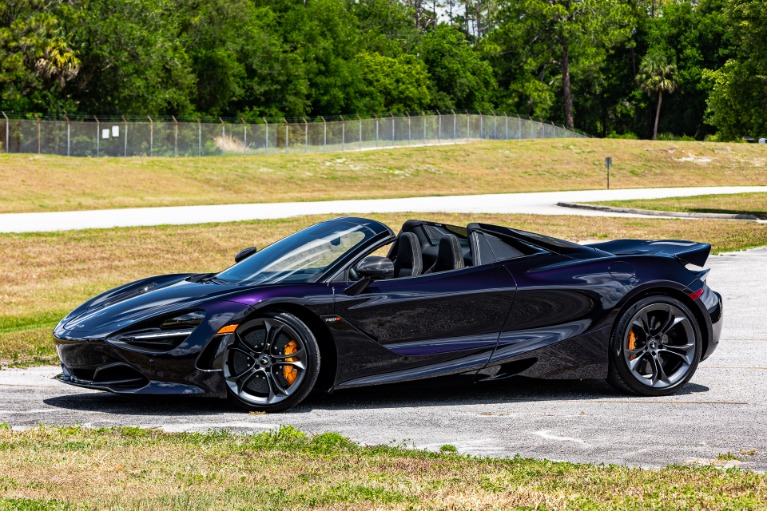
(686, 251)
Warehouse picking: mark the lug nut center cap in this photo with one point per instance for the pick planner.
(264, 361)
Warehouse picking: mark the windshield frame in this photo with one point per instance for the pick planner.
(374, 232)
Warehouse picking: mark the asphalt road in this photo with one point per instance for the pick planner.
(723, 409)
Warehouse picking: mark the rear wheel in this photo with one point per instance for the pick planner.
(271, 363)
(655, 348)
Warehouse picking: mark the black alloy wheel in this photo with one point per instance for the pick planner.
(271, 363)
(655, 348)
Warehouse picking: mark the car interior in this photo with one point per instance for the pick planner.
(423, 248)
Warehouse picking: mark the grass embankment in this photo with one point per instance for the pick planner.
(130, 468)
(55, 183)
(45, 275)
(748, 203)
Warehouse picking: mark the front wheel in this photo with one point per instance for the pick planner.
(655, 347)
(271, 363)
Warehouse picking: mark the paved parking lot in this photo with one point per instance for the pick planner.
(723, 410)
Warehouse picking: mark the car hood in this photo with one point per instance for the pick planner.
(144, 299)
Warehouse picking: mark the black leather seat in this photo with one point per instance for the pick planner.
(449, 255)
(409, 260)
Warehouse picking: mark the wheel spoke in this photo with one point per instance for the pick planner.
(272, 332)
(244, 378)
(297, 354)
(297, 364)
(668, 322)
(273, 381)
(641, 321)
(673, 321)
(633, 363)
(246, 350)
(685, 352)
(662, 376)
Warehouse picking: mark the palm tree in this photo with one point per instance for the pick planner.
(656, 74)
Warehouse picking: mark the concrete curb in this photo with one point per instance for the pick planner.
(650, 212)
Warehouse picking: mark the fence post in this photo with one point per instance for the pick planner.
(408, 128)
(392, 129)
(519, 127)
(439, 126)
(223, 136)
(98, 136)
(68, 134)
(495, 125)
(481, 126)
(306, 136)
(7, 129)
(455, 133)
(376, 129)
(506, 116)
(423, 122)
(151, 135)
(468, 126)
(125, 129)
(244, 136)
(266, 145)
(343, 133)
(287, 135)
(199, 138)
(175, 137)
(38, 132)
(360, 121)
(324, 134)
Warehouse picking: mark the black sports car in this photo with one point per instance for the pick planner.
(319, 309)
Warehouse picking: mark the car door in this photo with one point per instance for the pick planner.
(427, 325)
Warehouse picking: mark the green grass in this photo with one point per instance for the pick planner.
(75, 468)
(55, 183)
(739, 203)
(45, 275)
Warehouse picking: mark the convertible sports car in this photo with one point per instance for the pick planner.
(321, 309)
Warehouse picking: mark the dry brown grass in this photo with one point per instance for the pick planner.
(751, 203)
(53, 183)
(73, 468)
(47, 274)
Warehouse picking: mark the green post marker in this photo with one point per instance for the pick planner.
(608, 164)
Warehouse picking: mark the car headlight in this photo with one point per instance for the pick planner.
(188, 320)
(171, 333)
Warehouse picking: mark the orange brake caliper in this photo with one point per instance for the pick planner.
(290, 373)
(632, 343)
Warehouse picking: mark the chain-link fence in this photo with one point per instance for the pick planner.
(173, 138)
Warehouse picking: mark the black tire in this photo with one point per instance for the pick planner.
(664, 352)
(263, 370)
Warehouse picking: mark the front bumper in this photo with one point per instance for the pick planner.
(101, 365)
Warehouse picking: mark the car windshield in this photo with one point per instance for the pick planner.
(301, 256)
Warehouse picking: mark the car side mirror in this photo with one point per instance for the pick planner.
(371, 268)
(245, 253)
(375, 268)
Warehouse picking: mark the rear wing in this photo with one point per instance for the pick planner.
(686, 251)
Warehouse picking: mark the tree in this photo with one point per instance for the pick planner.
(394, 85)
(656, 75)
(36, 56)
(554, 40)
(461, 78)
(133, 61)
(737, 105)
(694, 37)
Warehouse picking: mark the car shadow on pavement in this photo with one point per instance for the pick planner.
(453, 391)
(442, 392)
